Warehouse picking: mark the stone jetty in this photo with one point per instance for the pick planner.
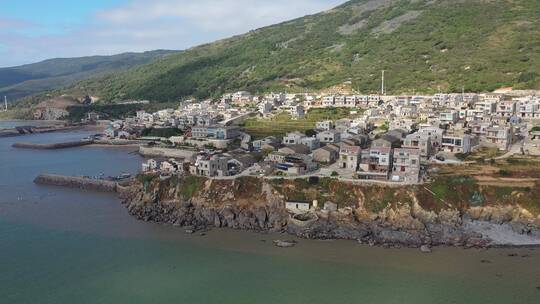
(64, 145)
(76, 182)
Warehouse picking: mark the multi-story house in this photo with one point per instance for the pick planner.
(215, 132)
(457, 143)
(297, 111)
(506, 108)
(293, 138)
(450, 117)
(311, 142)
(329, 137)
(421, 142)
(328, 101)
(324, 125)
(375, 163)
(406, 165)
(349, 157)
(351, 101)
(479, 128)
(435, 135)
(527, 108)
(343, 125)
(340, 101)
(500, 137)
(210, 166)
(486, 106)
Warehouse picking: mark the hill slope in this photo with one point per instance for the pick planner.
(422, 44)
(21, 81)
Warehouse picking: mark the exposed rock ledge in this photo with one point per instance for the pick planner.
(264, 211)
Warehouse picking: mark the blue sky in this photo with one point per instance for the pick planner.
(34, 30)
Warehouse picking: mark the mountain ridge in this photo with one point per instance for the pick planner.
(424, 45)
(24, 80)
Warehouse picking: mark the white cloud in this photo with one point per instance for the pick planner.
(144, 25)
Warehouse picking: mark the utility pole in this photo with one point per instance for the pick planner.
(5, 104)
(382, 84)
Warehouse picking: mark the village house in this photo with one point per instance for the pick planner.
(343, 125)
(293, 138)
(328, 101)
(500, 137)
(295, 149)
(268, 143)
(210, 166)
(420, 142)
(375, 163)
(449, 117)
(329, 137)
(311, 142)
(215, 132)
(457, 142)
(506, 108)
(276, 157)
(297, 112)
(326, 155)
(527, 107)
(406, 165)
(150, 165)
(325, 125)
(349, 157)
(171, 167)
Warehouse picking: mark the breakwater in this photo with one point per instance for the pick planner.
(64, 145)
(76, 182)
(25, 130)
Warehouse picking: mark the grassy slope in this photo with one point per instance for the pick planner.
(283, 123)
(478, 44)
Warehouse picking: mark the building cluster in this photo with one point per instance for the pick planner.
(204, 120)
(387, 138)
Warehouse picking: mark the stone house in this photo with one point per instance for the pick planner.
(295, 149)
(325, 155)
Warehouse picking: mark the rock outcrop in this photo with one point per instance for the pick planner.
(246, 205)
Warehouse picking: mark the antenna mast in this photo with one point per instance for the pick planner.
(382, 84)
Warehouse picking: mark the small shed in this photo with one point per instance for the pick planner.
(298, 206)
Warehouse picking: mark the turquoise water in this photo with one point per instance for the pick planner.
(63, 246)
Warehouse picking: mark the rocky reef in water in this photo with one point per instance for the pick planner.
(256, 205)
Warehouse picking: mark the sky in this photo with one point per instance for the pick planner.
(35, 30)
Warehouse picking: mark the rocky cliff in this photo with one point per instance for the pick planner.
(254, 204)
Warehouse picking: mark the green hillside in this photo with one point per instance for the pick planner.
(423, 45)
(21, 81)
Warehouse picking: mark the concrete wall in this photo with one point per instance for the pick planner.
(166, 152)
